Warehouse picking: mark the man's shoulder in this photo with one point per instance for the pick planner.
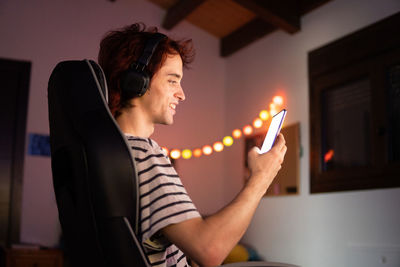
(146, 145)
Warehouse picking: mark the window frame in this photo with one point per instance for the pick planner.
(360, 54)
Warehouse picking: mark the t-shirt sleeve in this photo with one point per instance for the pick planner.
(163, 198)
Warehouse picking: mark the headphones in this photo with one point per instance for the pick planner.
(136, 80)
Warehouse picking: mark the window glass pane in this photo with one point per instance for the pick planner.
(346, 119)
(394, 112)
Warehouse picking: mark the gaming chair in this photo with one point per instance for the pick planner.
(94, 177)
(95, 181)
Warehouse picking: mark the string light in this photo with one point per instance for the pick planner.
(166, 151)
(197, 152)
(264, 115)
(175, 153)
(237, 133)
(228, 141)
(247, 130)
(278, 100)
(273, 109)
(218, 146)
(207, 150)
(257, 123)
(186, 153)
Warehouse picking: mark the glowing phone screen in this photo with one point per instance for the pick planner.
(273, 131)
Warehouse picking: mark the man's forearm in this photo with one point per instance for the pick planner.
(208, 241)
(230, 223)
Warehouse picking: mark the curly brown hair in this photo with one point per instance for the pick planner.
(120, 48)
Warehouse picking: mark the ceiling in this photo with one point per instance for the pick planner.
(237, 23)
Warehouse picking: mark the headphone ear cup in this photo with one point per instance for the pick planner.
(134, 84)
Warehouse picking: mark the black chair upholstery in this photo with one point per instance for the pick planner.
(94, 176)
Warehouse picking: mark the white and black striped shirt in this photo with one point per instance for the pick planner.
(163, 201)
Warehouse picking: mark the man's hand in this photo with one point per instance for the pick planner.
(264, 167)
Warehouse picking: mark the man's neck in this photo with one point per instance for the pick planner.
(133, 122)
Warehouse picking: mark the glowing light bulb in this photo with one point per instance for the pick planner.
(207, 150)
(247, 130)
(218, 146)
(257, 123)
(273, 109)
(264, 115)
(278, 100)
(197, 152)
(175, 153)
(237, 133)
(186, 153)
(165, 150)
(228, 141)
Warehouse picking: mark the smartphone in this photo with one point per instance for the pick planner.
(273, 131)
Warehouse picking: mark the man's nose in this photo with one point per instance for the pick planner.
(180, 94)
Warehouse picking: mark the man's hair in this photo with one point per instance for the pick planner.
(120, 48)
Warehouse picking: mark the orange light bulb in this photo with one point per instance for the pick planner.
(197, 152)
(237, 133)
(165, 150)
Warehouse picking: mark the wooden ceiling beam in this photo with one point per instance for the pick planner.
(245, 35)
(179, 12)
(283, 14)
(309, 5)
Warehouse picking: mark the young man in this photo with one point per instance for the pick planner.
(171, 227)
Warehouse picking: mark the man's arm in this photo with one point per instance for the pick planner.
(209, 240)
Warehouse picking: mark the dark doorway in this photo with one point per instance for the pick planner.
(14, 89)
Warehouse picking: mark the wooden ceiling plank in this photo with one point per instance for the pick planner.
(220, 17)
(250, 32)
(179, 12)
(283, 14)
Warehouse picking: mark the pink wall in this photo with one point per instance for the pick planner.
(46, 32)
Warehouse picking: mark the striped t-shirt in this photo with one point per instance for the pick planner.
(163, 201)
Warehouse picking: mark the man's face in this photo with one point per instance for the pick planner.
(165, 92)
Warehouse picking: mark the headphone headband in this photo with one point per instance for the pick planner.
(136, 80)
(150, 47)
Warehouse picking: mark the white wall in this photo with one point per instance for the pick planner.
(48, 31)
(336, 229)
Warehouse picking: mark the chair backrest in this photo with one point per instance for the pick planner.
(94, 176)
